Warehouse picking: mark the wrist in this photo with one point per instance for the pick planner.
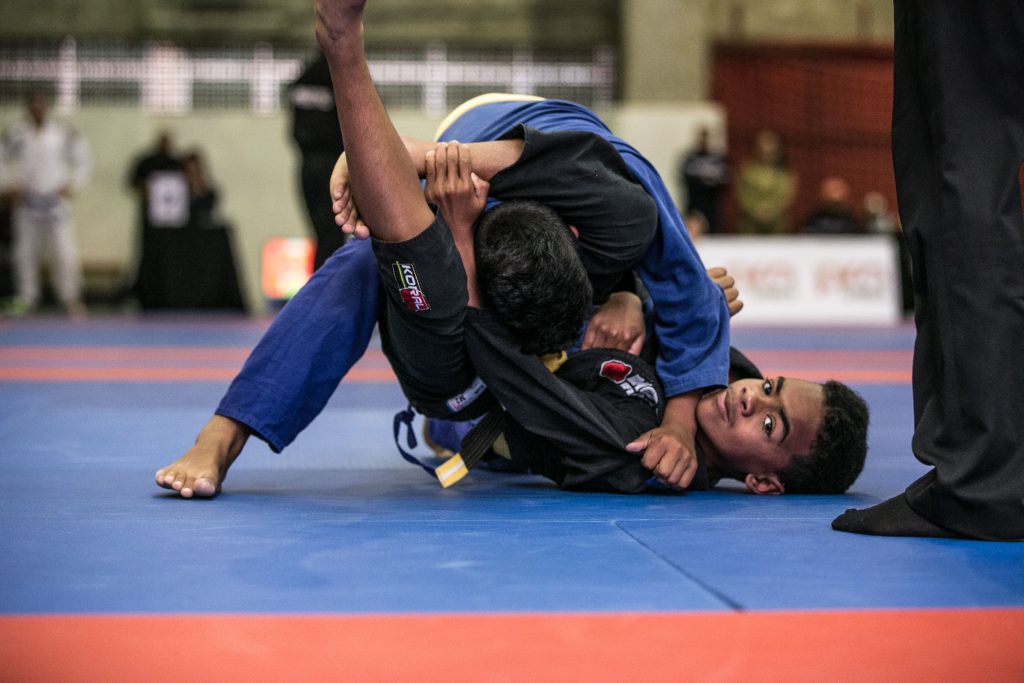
(342, 48)
(681, 412)
(680, 426)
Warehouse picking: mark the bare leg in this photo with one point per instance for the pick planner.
(385, 184)
(201, 471)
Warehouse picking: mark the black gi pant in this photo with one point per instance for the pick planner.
(958, 145)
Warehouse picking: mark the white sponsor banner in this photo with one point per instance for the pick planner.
(805, 280)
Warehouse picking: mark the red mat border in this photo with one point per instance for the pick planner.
(858, 645)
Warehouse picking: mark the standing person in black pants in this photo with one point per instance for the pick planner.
(958, 145)
(318, 137)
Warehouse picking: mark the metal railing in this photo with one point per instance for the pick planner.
(169, 79)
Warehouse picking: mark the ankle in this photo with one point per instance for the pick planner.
(225, 435)
(342, 47)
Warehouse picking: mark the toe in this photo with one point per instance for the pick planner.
(204, 488)
(188, 487)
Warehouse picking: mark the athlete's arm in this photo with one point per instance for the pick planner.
(489, 159)
(460, 196)
(669, 449)
(619, 322)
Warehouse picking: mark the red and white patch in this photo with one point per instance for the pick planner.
(409, 287)
(631, 383)
(616, 370)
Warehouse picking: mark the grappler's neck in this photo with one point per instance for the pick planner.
(717, 468)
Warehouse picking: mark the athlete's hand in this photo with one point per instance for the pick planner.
(617, 324)
(346, 215)
(459, 194)
(727, 284)
(669, 453)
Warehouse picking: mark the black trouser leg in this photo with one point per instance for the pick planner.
(958, 145)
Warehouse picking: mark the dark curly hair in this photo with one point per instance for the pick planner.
(531, 275)
(837, 455)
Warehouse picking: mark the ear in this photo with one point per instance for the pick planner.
(764, 484)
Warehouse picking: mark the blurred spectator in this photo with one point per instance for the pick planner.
(877, 216)
(704, 174)
(158, 178)
(6, 260)
(834, 215)
(202, 194)
(43, 163)
(765, 188)
(187, 259)
(318, 136)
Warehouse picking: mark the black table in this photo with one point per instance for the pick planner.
(188, 268)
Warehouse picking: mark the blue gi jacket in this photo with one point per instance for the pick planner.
(692, 318)
(327, 326)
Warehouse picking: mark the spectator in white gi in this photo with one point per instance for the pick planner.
(43, 163)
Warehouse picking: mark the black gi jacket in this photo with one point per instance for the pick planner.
(581, 416)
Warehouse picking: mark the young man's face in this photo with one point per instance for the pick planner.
(757, 425)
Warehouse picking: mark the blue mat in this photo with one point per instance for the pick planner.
(339, 524)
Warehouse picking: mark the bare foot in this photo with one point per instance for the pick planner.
(201, 470)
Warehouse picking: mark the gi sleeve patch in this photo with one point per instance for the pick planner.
(460, 401)
(409, 287)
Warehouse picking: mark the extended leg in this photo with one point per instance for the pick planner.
(292, 372)
(419, 266)
(384, 182)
